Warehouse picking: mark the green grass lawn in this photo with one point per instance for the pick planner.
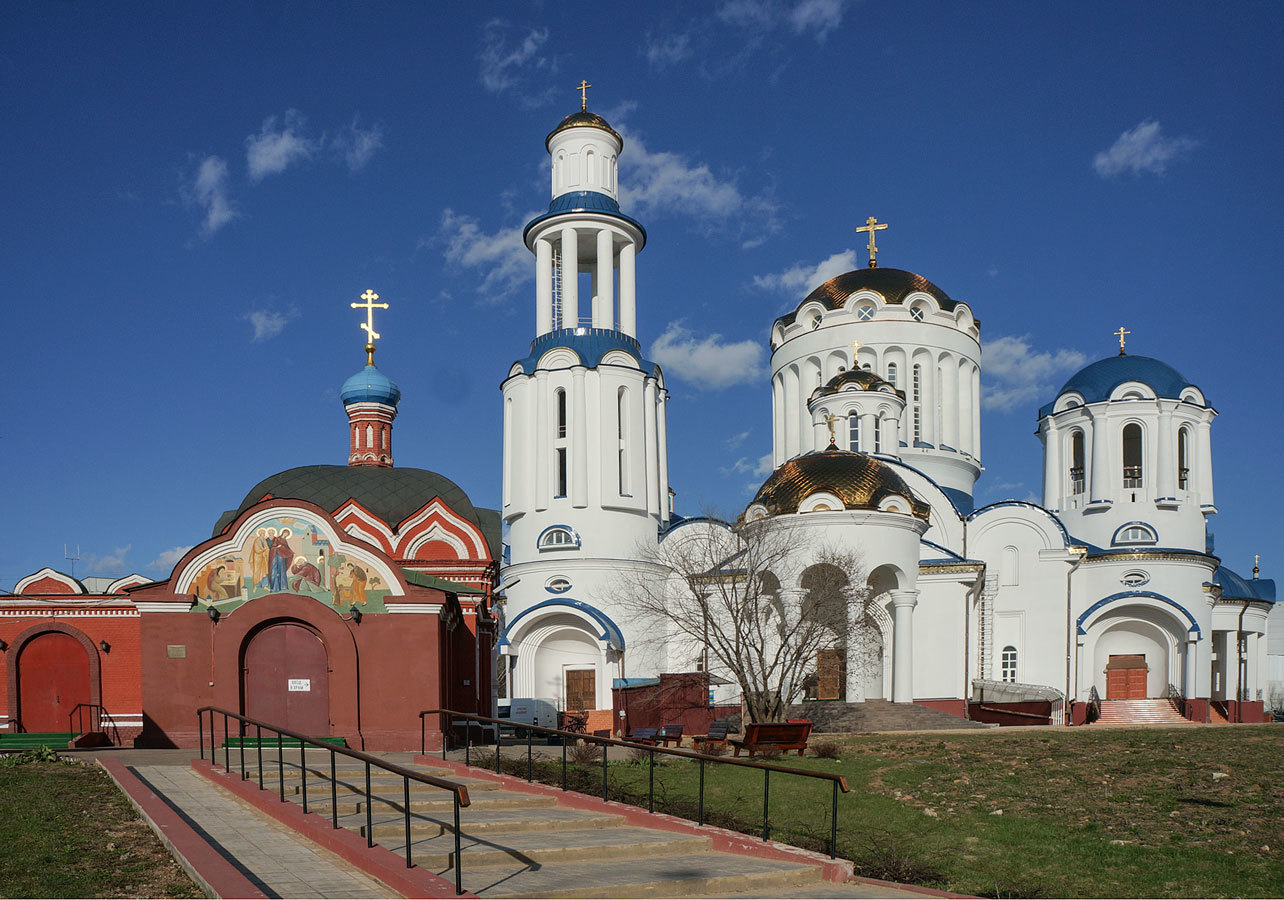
(67, 831)
(1057, 813)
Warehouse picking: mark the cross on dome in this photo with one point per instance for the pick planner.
(871, 226)
(830, 420)
(583, 87)
(1122, 332)
(368, 325)
(856, 345)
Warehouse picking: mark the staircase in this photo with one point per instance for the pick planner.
(24, 740)
(1139, 712)
(520, 844)
(877, 715)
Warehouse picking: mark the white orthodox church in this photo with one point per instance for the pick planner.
(1106, 591)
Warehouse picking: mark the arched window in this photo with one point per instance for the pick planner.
(1008, 671)
(853, 432)
(1076, 463)
(590, 174)
(917, 398)
(621, 418)
(1009, 571)
(878, 435)
(370, 437)
(1132, 468)
(558, 537)
(561, 413)
(1183, 458)
(891, 374)
(917, 313)
(1134, 533)
(865, 312)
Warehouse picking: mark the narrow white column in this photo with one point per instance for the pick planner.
(662, 448)
(1204, 464)
(1188, 669)
(950, 402)
(868, 424)
(777, 420)
(604, 296)
(903, 603)
(976, 413)
(892, 435)
(1053, 476)
(1232, 665)
(570, 278)
(628, 289)
(1102, 487)
(819, 434)
(543, 286)
(579, 439)
(928, 371)
(652, 451)
(1165, 451)
(965, 407)
(543, 437)
(790, 444)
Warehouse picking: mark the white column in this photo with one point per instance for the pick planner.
(1204, 464)
(965, 408)
(570, 278)
(651, 451)
(543, 286)
(868, 422)
(1188, 669)
(789, 447)
(1102, 486)
(927, 368)
(976, 413)
(1232, 665)
(950, 402)
(604, 297)
(662, 442)
(903, 603)
(819, 434)
(1165, 452)
(543, 436)
(777, 420)
(579, 439)
(1053, 476)
(628, 289)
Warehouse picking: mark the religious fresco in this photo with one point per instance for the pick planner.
(289, 555)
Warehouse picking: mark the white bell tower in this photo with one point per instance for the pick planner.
(585, 480)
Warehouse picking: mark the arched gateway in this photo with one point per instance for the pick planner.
(285, 678)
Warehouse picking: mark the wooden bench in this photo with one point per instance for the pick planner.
(644, 736)
(783, 736)
(672, 732)
(717, 736)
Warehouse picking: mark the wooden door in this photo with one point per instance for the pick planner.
(53, 679)
(581, 689)
(286, 679)
(1126, 677)
(831, 674)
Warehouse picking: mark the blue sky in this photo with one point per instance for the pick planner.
(194, 193)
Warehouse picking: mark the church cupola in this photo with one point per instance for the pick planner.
(370, 399)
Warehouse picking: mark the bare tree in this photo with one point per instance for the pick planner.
(716, 590)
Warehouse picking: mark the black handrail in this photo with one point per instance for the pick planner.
(77, 718)
(458, 791)
(1177, 699)
(838, 781)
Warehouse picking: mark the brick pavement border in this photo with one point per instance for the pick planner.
(212, 873)
(378, 862)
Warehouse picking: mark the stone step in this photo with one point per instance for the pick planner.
(320, 803)
(545, 847)
(480, 822)
(680, 875)
(357, 777)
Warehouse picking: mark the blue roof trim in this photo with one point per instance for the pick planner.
(610, 631)
(1236, 587)
(1051, 515)
(585, 201)
(946, 550)
(676, 521)
(1097, 381)
(962, 500)
(1132, 595)
(590, 345)
(896, 461)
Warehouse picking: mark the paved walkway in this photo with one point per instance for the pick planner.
(278, 861)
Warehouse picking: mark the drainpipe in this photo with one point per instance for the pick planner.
(1070, 633)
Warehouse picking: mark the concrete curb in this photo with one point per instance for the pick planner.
(377, 862)
(216, 876)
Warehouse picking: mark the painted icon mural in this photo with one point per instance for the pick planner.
(289, 555)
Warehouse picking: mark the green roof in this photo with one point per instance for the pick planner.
(423, 579)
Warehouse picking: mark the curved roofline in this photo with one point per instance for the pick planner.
(1043, 509)
(1096, 381)
(611, 632)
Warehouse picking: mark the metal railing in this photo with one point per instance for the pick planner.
(458, 791)
(1177, 699)
(839, 783)
(1094, 706)
(97, 715)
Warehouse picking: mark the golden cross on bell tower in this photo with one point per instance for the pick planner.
(871, 226)
(1121, 333)
(856, 345)
(583, 87)
(830, 420)
(368, 325)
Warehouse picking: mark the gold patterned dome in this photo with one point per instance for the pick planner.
(584, 119)
(862, 379)
(859, 480)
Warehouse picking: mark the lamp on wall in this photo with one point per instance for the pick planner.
(356, 616)
(4, 645)
(106, 647)
(213, 614)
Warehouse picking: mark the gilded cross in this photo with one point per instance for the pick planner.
(368, 325)
(1122, 333)
(871, 226)
(583, 89)
(856, 345)
(830, 420)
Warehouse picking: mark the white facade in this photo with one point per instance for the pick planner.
(876, 375)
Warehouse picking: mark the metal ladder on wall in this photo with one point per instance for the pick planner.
(985, 624)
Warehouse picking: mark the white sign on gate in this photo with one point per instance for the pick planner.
(300, 684)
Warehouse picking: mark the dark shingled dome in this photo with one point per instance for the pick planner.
(584, 119)
(859, 480)
(390, 493)
(893, 285)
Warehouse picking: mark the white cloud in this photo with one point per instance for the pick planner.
(357, 145)
(501, 255)
(166, 559)
(663, 182)
(667, 50)
(1143, 150)
(209, 191)
(107, 563)
(802, 279)
(736, 440)
(1014, 374)
(747, 13)
(503, 66)
(278, 145)
(820, 17)
(267, 323)
(707, 363)
(759, 468)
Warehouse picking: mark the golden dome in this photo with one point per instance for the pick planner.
(863, 379)
(859, 480)
(584, 119)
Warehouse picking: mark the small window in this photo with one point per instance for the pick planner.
(1183, 459)
(1132, 468)
(865, 312)
(1009, 664)
(815, 320)
(916, 313)
(561, 413)
(1076, 463)
(1134, 533)
(558, 585)
(891, 374)
(853, 432)
(558, 537)
(561, 472)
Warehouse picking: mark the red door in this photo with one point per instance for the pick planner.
(1126, 677)
(286, 680)
(53, 679)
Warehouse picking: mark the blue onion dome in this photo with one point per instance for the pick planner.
(370, 386)
(1097, 381)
